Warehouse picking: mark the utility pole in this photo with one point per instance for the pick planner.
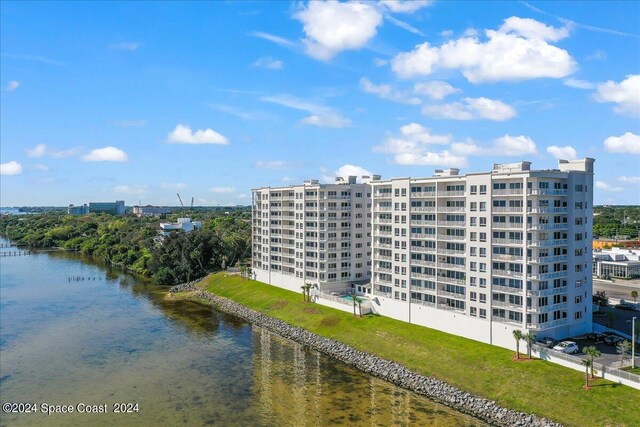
(633, 343)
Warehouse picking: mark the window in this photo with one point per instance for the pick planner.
(473, 296)
(474, 206)
(474, 236)
(474, 189)
(483, 298)
(473, 221)
(578, 315)
(483, 313)
(473, 311)
(483, 222)
(473, 266)
(483, 283)
(483, 205)
(483, 190)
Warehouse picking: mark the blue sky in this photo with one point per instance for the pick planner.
(140, 100)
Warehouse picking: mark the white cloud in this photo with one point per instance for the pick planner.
(13, 85)
(130, 190)
(472, 109)
(386, 91)
(40, 167)
(37, 151)
(275, 164)
(519, 50)
(627, 143)
(379, 62)
(578, 84)
(273, 38)
(600, 185)
(404, 25)
(10, 168)
(414, 146)
(183, 134)
(630, 179)
(596, 55)
(332, 27)
(222, 190)
(626, 94)
(565, 153)
(127, 46)
(352, 170)
(532, 29)
(514, 145)
(42, 150)
(268, 63)
(106, 154)
(407, 6)
(435, 89)
(136, 123)
(446, 33)
(174, 185)
(504, 146)
(321, 116)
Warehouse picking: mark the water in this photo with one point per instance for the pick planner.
(114, 338)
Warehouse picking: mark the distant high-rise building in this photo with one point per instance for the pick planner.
(114, 208)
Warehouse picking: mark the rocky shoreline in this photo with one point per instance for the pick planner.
(393, 372)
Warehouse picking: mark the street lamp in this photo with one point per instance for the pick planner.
(633, 342)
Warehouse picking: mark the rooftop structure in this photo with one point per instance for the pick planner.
(183, 224)
(148, 210)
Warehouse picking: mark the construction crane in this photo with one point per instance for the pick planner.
(180, 198)
(191, 202)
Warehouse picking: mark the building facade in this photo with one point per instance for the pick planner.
(182, 224)
(113, 208)
(616, 263)
(482, 254)
(148, 211)
(313, 233)
(78, 210)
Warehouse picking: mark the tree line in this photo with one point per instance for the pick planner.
(134, 243)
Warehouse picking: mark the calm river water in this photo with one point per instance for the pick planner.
(112, 338)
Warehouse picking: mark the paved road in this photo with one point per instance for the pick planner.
(617, 290)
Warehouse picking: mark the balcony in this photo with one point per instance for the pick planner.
(381, 245)
(451, 224)
(450, 193)
(383, 233)
(422, 194)
(507, 242)
(547, 259)
(547, 210)
(382, 221)
(449, 266)
(443, 293)
(383, 257)
(508, 192)
(563, 226)
(506, 289)
(507, 225)
(383, 195)
(422, 302)
(451, 209)
(451, 252)
(422, 249)
(506, 320)
(548, 308)
(422, 262)
(547, 292)
(449, 308)
(508, 209)
(383, 208)
(422, 236)
(547, 243)
(379, 269)
(546, 192)
(507, 257)
(422, 276)
(422, 222)
(423, 209)
(451, 280)
(450, 237)
(547, 276)
(547, 325)
(506, 273)
(506, 304)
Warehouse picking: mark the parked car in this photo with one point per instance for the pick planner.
(613, 339)
(625, 306)
(596, 337)
(546, 341)
(568, 347)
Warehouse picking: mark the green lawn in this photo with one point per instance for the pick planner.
(538, 387)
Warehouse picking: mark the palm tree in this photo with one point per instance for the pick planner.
(304, 293)
(623, 349)
(517, 335)
(529, 338)
(359, 301)
(354, 304)
(592, 352)
(587, 363)
(307, 288)
(634, 295)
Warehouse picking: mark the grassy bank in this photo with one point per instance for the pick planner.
(537, 387)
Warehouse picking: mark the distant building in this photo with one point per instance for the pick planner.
(78, 210)
(113, 208)
(183, 224)
(142, 211)
(616, 262)
(610, 243)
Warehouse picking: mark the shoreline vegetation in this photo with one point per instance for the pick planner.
(133, 244)
(549, 391)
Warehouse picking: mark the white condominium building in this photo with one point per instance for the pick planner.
(313, 233)
(482, 254)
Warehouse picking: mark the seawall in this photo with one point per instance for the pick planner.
(387, 370)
